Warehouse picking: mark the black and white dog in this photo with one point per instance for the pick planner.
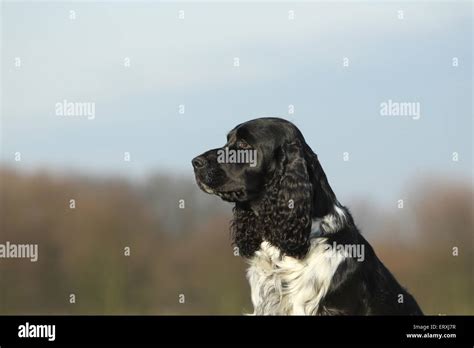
(288, 224)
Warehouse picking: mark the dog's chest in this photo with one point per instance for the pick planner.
(285, 285)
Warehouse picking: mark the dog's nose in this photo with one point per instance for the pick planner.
(199, 162)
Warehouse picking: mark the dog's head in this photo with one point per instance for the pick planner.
(239, 170)
(274, 178)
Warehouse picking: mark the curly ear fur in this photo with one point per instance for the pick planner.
(284, 214)
(246, 231)
(287, 207)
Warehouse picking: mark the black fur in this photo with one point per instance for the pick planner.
(277, 199)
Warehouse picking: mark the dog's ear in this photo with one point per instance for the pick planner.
(287, 209)
(245, 231)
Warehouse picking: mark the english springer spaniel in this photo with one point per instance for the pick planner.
(299, 241)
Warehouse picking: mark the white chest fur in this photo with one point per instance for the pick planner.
(283, 285)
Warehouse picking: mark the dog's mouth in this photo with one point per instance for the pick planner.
(230, 196)
(205, 188)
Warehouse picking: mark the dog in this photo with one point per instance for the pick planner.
(298, 240)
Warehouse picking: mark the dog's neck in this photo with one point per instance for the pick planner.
(337, 218)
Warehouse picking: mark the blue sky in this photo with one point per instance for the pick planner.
(282, 62)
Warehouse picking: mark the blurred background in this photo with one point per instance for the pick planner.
(168, 81)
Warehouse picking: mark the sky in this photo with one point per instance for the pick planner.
(285, 58)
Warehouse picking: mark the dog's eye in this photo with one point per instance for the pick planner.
(243, 145)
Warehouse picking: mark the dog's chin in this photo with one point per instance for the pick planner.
(205, 188)
(232, 196)
(228, 196)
